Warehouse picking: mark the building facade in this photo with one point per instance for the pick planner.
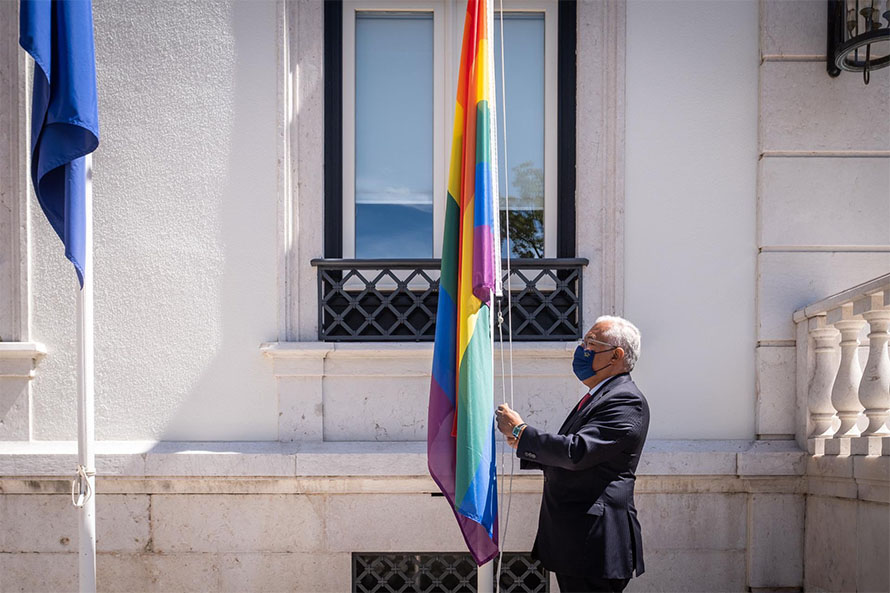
(260, 426)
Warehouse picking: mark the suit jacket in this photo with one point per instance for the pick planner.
(588, 523)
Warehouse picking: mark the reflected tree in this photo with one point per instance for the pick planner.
(526, 213)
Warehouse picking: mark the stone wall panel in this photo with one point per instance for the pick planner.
(122, 522)
(14, 407)
(873, 532)
(824, 201)
(375, 408)
(775, 538)
(803, 108)
(372, 516)
(299, 573)
(394, 408)
(705, 571)
(48, 523)
(792, 27)
(692, 521)
(776, 397)
(156, 573)
(831, 544)
(38, 573)
(237, 523)
(300, 409)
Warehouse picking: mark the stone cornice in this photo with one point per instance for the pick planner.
(18, 359)
(33, 350)
(665, 458)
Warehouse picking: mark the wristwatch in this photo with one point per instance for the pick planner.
(517, 430)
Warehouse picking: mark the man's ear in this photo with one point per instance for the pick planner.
(619, 352)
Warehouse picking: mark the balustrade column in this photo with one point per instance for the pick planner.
(845, 393)
(825, 368)
(874, 389)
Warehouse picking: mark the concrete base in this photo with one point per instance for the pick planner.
(716, 516)
(288, 516)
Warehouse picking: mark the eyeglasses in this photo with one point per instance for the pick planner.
(588, 344)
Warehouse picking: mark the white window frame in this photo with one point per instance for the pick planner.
(350, 8)
(448, 20)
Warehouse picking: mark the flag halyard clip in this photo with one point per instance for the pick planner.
(81, 489)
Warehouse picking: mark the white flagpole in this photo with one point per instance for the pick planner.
(485, 578)
(84, 486)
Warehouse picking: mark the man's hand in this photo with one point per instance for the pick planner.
(507, 419)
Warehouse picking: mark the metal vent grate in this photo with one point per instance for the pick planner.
(440, 573)
(523, 575)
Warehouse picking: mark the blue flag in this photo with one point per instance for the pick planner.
(64, 113)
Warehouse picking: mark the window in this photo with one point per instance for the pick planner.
(390, 79)
(531, 132)
(392, 72)
(389, 116)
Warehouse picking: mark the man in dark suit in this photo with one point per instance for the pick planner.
(588, 532)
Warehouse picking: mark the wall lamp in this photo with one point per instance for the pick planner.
(858, 36)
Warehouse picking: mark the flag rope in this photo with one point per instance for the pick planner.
(509, 495)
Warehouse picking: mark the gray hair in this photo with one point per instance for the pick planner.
(624, 334)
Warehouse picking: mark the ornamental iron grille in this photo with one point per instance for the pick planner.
(441, 573)
(396, 300)
(522, 574)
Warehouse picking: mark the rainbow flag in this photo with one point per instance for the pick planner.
(461, 429)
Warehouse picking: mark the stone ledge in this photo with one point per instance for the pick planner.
(337, 485)
(21, 350)
(773, 458)
(396, 359)
(285, 350)
(685, 458)
(18, 359)
(308, 459)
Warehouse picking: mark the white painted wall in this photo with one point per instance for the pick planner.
(186, 209)
(690, 211)
(186, 217)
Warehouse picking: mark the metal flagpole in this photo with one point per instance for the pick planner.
(84, 486)
(59, 37)
(485, 578)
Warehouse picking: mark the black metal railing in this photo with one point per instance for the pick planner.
(395, 300)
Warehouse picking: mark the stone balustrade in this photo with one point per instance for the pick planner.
(848, 404)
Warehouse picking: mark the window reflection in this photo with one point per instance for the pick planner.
(393, 135)
(524, 51)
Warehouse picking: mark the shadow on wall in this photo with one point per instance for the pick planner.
(235, 397)
(186, 206)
